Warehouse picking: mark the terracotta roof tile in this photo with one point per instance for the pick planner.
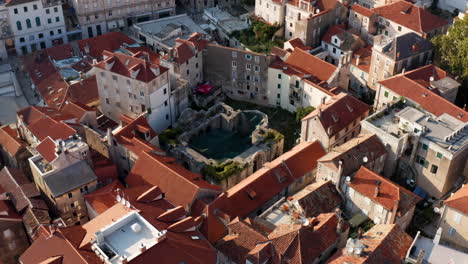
(309, 64)
(84, 92)
(104, 168)
(297, 43)
(128, 138)
(384, 244)
(340, 111)
(362, 10)
(123, 64)
(108, 42)
(410, 16)
(9, 140)
(409, 85)
(60, 52)
(23, 193)
(365, 182)
(333, 30)
(365, 55)
(47, 149)
(459, 200)
(104, 198)
(318, 198)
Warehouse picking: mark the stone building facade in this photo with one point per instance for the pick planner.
(242, 74)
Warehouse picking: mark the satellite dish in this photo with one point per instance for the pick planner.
(348, 179)
(436, 210)
(365, 159)
(118, 198)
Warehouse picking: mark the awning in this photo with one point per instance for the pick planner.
(204, 88)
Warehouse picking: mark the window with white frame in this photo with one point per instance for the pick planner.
(248, 66)
(234, 64)
(457, 217)
(234, 54)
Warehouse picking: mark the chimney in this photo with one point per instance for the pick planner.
(339, 225)
(359, 233)
(52, 229)
(377, 188)
(358, 59)
(142, 247)
(123, 259)
(394, 211)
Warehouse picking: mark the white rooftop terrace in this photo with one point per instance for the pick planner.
(126, 238)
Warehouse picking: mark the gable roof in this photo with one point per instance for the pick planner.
(410, 16)
(180, 186)
(459, 200)
(365, 182)
(23, 193)
(128, 137)
(297, 43)
(111, 42)
(333, 30)
(407, 45)
(338, 112)
(365, 55)
(352, 152)
(362, 10)
(125, 65)
(413, 85)
(383, 244)
(9, 140)
(318, 198)
(47, 149)
(83, 92)
(309, 64)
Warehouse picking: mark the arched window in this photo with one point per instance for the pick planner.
(18, 25)
(28, 23)
(38, 21)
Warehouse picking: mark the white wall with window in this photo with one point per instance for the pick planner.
(36, 26)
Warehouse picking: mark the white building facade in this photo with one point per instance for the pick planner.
(36, 25)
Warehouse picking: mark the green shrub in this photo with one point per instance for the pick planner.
(169, 136)
(272, 135)
(302, 112)
(221, 171)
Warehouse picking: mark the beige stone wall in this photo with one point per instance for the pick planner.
(454, 228)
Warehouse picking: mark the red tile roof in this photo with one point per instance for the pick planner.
(252, 192)
(7, 211)
(383, 244)
(9, 140)
(318, 198)
(340, 111)
(309, 64)
(297, 43)
(128, 137)
(365, 55)
(76, 110)
(47, 149)
(410, 85)
(332, 31)
(104, 168)
(124, 65)
(410, 16)
(108, 42)
(362, 10)
(181, 186)
(60, 52)
(365, 182)
(104, 198)
(459, 200)
(83, 92)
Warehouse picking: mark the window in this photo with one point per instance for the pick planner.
(248, 66)
(38, 21)
(167, 117)
(72, 205)
(55, 9)
(41, 35)
(425, 146)
(57, 19)
(59, 31)
(386, 94)
(420, 160)
(142, 93)
(457, 217)
(47, 11)
(28, 23)
(196, 65)
(188, 72)
(439, 155)
(165, 103)
(279, 76)
(114, 77)
(165, 91)
(248, 56)
(334, 50)
(434, 169)
(70, 195)
(22, 40)
(279, 85)
(234, 64)
(51, 33)
(278, 96)
(86, 188)
(49, 21)
(35, 7)
(25, 9)
(107, 100)
(399, 28)
(15, 10)
(18, 25)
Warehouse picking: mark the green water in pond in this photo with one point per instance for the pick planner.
(221, 144)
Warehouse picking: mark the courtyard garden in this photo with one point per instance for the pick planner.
(260, 37)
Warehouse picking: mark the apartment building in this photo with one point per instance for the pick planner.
(391, 56)
(36, 25)
(403, 17)
(422, 130)
(309, 20)
(13, 151)
(375, 3)
(364, 150)
(271, 11)
(98, 17)
(300, 80)
(61, 170)
(453, 220)
(364, 20)
(339, 45)
(242, 74)
(334, 122)
(378, 198)
(132, 85)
